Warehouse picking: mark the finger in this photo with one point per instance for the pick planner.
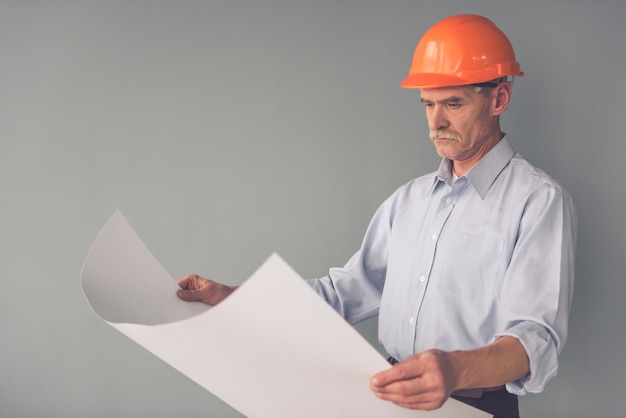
(424, 405)
(190, 295)
(409, 390)
(411, 393)
(399, 372)
(186, 281)
(184, 295)
(417, 397)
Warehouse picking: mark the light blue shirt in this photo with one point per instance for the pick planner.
(455, 265)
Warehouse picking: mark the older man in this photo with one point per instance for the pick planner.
(470, 268)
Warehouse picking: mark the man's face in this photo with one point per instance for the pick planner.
(462, 125)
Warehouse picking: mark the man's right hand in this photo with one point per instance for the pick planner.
(196, 288)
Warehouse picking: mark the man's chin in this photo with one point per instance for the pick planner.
(445, 149)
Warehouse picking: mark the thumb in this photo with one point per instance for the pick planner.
(187, 295)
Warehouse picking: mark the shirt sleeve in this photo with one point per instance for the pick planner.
(538, 287)
(355, 289)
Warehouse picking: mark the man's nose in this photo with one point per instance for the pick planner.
(437, 119)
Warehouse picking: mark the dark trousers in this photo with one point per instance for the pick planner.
(500, 403)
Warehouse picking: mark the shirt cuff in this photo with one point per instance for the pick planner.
(542, 355)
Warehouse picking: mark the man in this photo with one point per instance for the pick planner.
(469, 268)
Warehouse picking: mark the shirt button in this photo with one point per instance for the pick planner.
(434, 237)
(448, 201)
(422, 279)
(411, 320)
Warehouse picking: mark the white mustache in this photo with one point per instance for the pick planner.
(444, 134)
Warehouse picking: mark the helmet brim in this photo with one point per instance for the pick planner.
(432, 80)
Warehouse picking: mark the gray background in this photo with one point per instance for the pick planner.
(227, 130)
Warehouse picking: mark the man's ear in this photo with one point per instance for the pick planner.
(502, 95)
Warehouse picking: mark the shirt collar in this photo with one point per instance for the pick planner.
(483, 174)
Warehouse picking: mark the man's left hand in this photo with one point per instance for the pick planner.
(422, 381)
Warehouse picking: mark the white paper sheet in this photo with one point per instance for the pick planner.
(272, 349)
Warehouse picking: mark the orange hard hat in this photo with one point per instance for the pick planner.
(461, 50)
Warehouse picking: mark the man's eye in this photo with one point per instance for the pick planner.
(454, 106)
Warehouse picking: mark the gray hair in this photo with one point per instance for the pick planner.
(486, 87)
